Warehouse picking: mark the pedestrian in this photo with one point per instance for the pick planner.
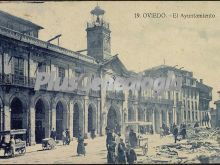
(131, 155)
(171, 128)
(121, 152)
(161, 132)
(53, 134)
(64, 137)
(80, 147)
(184, 131)
(132, 138)
(109, 139)
(175, 132)
(117, 140)
(3, 144)
(12, 145)
(111, 157)
(67, 136)
(151, 129)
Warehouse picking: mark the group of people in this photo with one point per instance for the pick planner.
(118, 152)
(164, 130)
(177, 133)
(65, 136)
(66, 140)
(181, 132)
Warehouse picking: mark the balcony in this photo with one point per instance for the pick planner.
(156, 100)
(35, 41)
(115, 95)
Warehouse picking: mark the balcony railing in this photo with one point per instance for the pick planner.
(156, 100)
(34, 41)
(115, 95)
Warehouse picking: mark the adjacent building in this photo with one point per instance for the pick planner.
(23, 56)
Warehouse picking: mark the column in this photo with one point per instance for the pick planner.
(7, 116)
(1, 118)
(174, 115)
(71, 118)
(47, 125)
(53, 117)
(152, 120)
(167, 118)
(102, 106)
(98, 122)
(86, 116)
(32, 126)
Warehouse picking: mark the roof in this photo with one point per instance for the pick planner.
(203, 87)
(20, 20)
(165, 68)
(116, 59)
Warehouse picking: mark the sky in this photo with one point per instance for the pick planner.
(141, 43)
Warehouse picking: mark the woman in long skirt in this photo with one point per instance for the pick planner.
(80, 147)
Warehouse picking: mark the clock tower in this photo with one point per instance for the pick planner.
(98, 36)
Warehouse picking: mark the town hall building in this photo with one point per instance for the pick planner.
(23, 56)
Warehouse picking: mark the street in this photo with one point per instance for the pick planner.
(96, 152)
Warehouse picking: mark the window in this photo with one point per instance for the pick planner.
(192, 105)
(41, 67)
(189, 115)
(188, 104)
(18, 70)
(61, 72)
(196, 105)
(177, 97)
(183, 92)
(185, 115)
(169, 95)
(184, 103)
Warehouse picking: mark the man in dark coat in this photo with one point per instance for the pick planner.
(121, 152)
(131, 155)
(53, 134)
(175, 132)
(111, 157)
(109, 139)
(132, 138)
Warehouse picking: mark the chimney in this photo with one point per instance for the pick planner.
(201, 81)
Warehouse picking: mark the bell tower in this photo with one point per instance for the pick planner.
(98, 36)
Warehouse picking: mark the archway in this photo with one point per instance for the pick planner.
(141, 115)
(59, 119)
(131, 114)
(18, 115)
(91, 118)
(40, 121)
(113, 119)
(77, 120)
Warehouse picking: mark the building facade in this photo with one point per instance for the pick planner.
(217, 112)
(23, 56)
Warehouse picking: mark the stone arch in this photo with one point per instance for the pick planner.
(141, 114)
(78, 119)
(42, 115)
(92, 117)
(114, 118)
(131, 114)
(61, 107)
(18, 106)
